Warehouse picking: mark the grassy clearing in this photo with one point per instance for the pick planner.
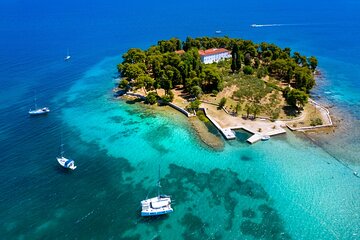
(244, 93)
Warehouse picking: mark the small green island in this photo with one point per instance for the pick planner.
(234, 83)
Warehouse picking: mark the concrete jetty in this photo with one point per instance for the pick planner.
(254, 138)
(229, 133)
(226, 132)
(259, 136)
(182, 110)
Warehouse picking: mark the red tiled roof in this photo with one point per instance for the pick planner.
(180, 52)
(212, 51)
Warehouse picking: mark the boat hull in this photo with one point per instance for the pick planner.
(156, 206)
(40, 111)
(157, 213)
(265, 138)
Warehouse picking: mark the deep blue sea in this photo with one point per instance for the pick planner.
(285, 188)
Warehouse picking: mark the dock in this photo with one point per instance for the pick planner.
(258, 136)
(254, 138)
(226, 132)
(229, 133)
(182, 110)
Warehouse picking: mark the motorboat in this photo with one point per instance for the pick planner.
(265, 137)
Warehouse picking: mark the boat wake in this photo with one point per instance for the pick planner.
(268, 25)
(84, 217)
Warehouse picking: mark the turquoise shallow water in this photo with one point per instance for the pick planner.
(284, 188)
(280, 189)
(274, 189)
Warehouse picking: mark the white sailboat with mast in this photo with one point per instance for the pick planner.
(38, 111)
(159, 205)
(63, 161)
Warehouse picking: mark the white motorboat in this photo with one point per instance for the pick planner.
(265, 137)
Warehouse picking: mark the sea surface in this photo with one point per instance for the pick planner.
(287, 188)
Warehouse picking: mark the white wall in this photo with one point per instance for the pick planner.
(215, 57)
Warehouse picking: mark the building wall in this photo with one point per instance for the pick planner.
(215, 57)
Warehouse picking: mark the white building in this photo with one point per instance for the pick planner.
(214, 55)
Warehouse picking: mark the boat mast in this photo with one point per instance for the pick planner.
(61, 147)
(35, 100)
(62, 150)
(159, 186)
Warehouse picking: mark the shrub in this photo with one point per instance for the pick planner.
(261, 72)
(169, 97)
(274, 86)
(238, 108)
(222, 102)
(201, 115)
(275, 114)
(151, 98)
(286, 92)
(248, 70)
(316, 122)
(166, 99)
(123, 83)
(196, 91)
(194, 105)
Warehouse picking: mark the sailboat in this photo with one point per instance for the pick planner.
(38, 111)
(63, 161)
(67, 57)
(159, 205)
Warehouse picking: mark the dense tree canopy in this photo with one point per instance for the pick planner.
(296, 98)
(164, 66)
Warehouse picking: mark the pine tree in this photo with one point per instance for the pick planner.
(234, 54)
(238, 60)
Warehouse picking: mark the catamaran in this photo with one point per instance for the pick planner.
(65, 162)
(159, 205)
(38, 111)
(67, 57)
